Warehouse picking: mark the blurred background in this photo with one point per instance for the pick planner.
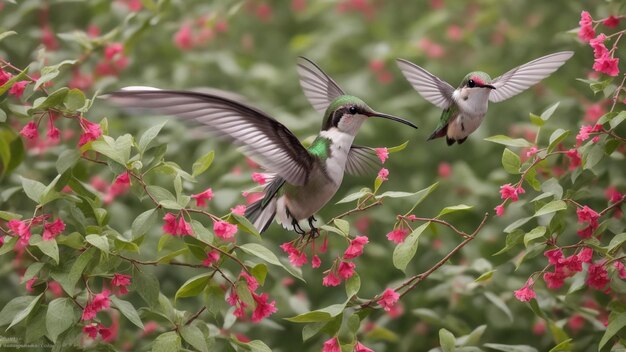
(250, 47)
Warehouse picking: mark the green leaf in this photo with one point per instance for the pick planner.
(33, 189)
(100, 242)
(246, 225)
(453, 209)
(202, 233)
(253, 346)
(511, 162)
(31, 271)
(194, 286)
(148, 136)
(485, 276)
(202, 164)
(8, 84)
(343, 226)
(554, 206)
(7, 215)
(405, 251)
(353, 285)
(67, 160)
(161, 194)
(564, 346)
(446, 340)
(536, 120)
(617, 321)
(49, 247)
(194, 337)
(143, 223)
(499, 303)
(356, 195)
(510, 348)
(421, 195)
(533, 234)
(7, 34)
(77, 270)
(593, 156)
(549, 111)
(60, 316)
(213, 298)
(117, 150)
(398, 147)
(508, 141)
(75, 100)
(616, 242)
(324, 314)
(167, 342)
(517, 224)
(557, 137)
(265, 254)
(147, 285)
(22, 314)
(48, 73)
(259, 272)
(14, 306)
(127, 309)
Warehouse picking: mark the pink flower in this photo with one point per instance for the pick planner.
(509, 192)
(120, 186)
(99, 302)
(224, 230)
(606, 64)
(263, 308)
(331, 345)
(182, 38)
(532, 151)
(585, 130)
(554, 255)
(444, 170)
(346, 270)
(18, 88)
(359, 347)
(91, 330)
(258, 178)
(238, 209)
(554, 280)
(398, 235)
(499, 210)
(30, 130)
(355, 248)
(316, 261)
(113, 49)
(170, 226)
(108, 334)
(53, 133)
(597, 276)
(121, 281)
(4, 76)
(184, 228)
(572, 263)
(574, 158)
(586, 255)
(91, 131)
(587, 215)
(586, 31)
(288, 248)
(383, 174)
(432, 49)
(587, 231)
(30, 283)
(251, 281)
(382, 154)
(211, 257)
(21, 229)
(388, 299)
(526, 293)
(331, 280)
(611, 21)
(613, 195)
(297, 258)
(202, 198)
(576, 322)
(53, 229)
(599, 49)
(454, 33)
(324, 246)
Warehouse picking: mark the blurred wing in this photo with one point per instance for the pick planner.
(262, 137)
(431, 87)
(362, 161)
(319, 89)
(522, 77)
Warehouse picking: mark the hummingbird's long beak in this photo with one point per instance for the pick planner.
(393, 118)
(489, 86)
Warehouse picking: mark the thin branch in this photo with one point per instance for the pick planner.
(442, 222)
(614, 205)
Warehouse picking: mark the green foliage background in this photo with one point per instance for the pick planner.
(256, 59)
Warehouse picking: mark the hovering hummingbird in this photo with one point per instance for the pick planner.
(304, 179)
(464, 108)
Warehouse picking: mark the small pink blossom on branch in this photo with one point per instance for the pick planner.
(526, 293)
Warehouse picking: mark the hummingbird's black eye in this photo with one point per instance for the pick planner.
(352, 110)
(471, 83)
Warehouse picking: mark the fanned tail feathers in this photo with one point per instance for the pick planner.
(262, 212)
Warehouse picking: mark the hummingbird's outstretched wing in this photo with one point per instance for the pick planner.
(522, 77)
(362, 161)
(263, 138)
(429, 86)
(318, 87)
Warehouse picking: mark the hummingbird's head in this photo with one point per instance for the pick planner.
(346, 113)
(477, 79)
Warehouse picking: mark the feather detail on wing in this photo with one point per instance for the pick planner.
(522, 77)
(262, 137)
(429, 86)
(318, 87)
(362, 161)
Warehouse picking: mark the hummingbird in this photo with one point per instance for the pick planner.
(303, 179)
(465, 107)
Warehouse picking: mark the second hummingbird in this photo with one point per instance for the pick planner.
(465, 107)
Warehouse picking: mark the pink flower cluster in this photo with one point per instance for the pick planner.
(526, 293)
(564, 267)
(199, 32)
(99, 302)
(176, 226)
(224, 230)
(398, 235)
(91, 131)
(574, 158)
(114, 60)
(587, 216)
(508, 192)
(22, 228)
(92, 330)
(203, 197)
(586, 130)
(17, 89)
(345, 269)
(332, 345)
(122, 282)
(263, 308)
(604, 61)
